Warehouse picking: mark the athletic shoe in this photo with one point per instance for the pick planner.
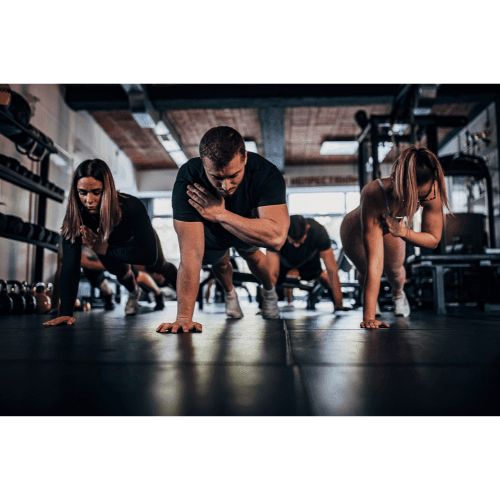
(233, 309)
(401, 306)
(132, 306)
(377, 310)
(159, 302)
(270, 309)
(109, 302)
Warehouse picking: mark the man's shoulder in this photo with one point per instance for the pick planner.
(194, 166)
(259, 163)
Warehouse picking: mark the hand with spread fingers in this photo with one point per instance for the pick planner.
(93, 240)
(374, 323)
(397, 226)
(206, 203)
(62, 320)
(180, 326)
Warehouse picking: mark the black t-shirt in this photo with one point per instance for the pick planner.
(317, 240)
(262, 185)
(132, 241)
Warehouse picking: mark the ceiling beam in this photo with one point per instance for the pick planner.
(216, 96)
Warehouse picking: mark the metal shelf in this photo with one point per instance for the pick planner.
(47, 146)
(10, 236)
(21, 181)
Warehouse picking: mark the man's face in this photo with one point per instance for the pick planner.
(226, 180)
(297, 243)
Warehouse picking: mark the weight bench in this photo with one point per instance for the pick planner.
(315, 289)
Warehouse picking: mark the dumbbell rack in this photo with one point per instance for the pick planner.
(38, 188)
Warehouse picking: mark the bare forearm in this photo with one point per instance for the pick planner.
(423, 240)
(333, 278)
(371, 290)
(264, 233)
(188, 283)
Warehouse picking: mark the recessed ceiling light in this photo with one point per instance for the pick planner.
(339, 147)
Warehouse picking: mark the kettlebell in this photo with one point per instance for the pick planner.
(6, 302)
(43, 302)
(29, 298)
(17, 298)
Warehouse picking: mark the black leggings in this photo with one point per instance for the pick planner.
(126, 273)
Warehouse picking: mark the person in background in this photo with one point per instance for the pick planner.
(307, 244)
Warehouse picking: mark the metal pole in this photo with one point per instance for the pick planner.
(375, 141)
(42, 214)
(361, 164)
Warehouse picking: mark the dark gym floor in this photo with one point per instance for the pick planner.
(305, 363)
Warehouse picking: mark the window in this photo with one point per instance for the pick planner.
(316, 203)
(162, 206)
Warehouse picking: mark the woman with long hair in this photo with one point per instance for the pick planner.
(117, 227)
(374, 235)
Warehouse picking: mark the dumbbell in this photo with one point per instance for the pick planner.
(6, 302)
(27, 230)
(3, 222)
(14, 224)
(20, 111)
(54, 237)
(38, 233)
(10, 163)
(30, 298)
(30, 306)
(43, 302)
(48, 236)
(17, 298)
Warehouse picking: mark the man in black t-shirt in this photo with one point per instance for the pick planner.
(307, 242)
(226, 198)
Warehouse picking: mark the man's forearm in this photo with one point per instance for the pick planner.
(259, 232)
(333, 278)
(188, 284)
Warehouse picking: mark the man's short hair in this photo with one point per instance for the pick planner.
(221, 144)
(297, 227)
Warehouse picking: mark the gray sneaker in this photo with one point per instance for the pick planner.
(270, 309)
(233, 309)
(132, 306)
(401, 306)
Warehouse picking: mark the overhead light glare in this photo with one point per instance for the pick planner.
(339, 147)
(161, 128)
(144, 119)
(251, 146)
(399, 128)
(383, 150)
(179, 157)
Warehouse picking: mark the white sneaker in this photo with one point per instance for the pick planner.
(377, 310)
(132, 306)
(401, 306)
(270, 309)
(233, 309)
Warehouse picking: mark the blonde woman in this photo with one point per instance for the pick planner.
(374, 235)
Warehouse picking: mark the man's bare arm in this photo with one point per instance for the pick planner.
(192, 246)
(268, 231)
